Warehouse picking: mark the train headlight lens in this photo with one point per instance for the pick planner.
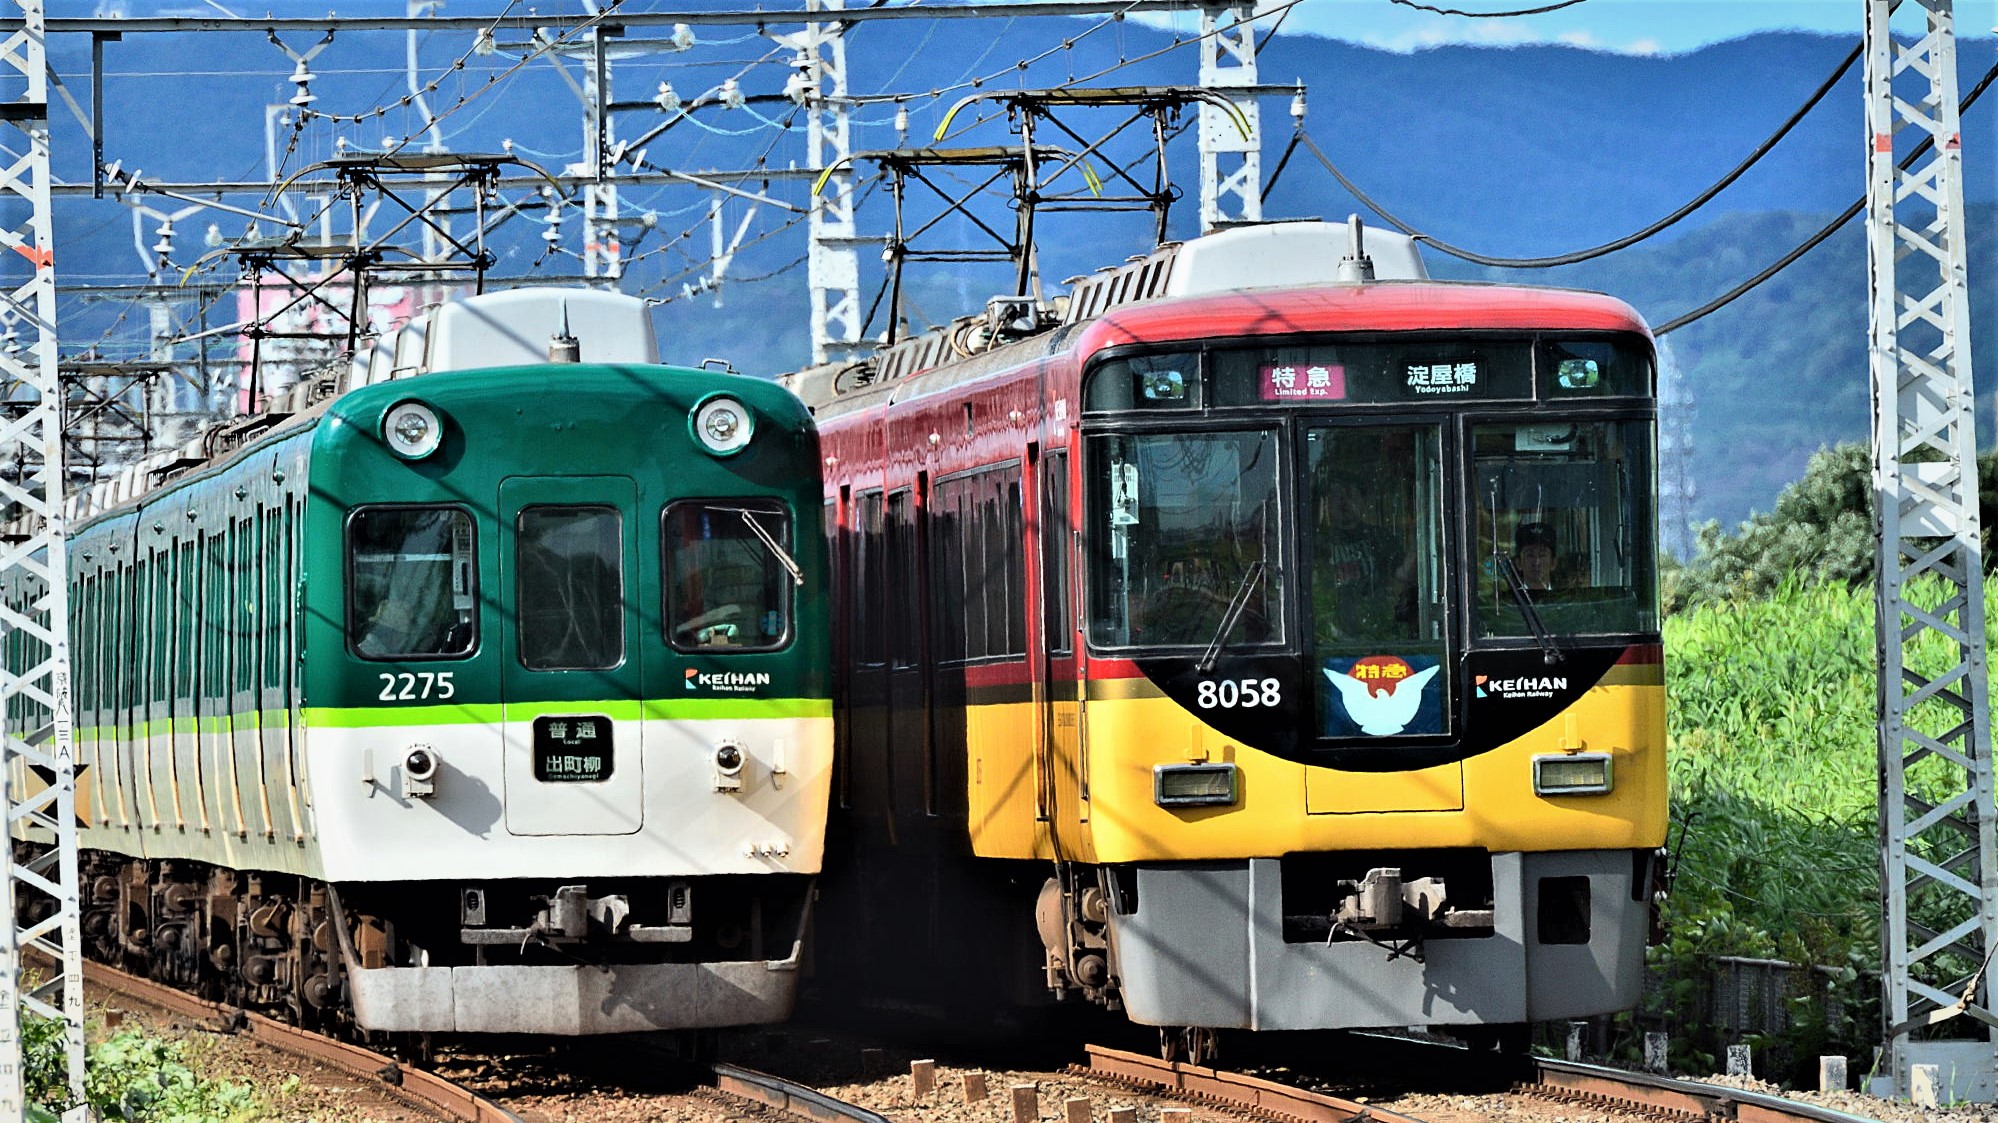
(1572, 774)
(723, 425)
(728, 758)
(413, 430)
(1194, 785)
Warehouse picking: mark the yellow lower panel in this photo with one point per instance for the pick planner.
(1497, 809)
(1331, 792)
(1003, 801)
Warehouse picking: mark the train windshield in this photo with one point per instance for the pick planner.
(1564, 518)
(570, 588)
(411, 582)
(1186, 526)
(729, 587)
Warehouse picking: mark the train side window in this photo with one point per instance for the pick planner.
(727, 589)
(956, 615)
(243, 574)
(411, 583)
(569, 595)
(870, 591)
(1006, 568)
(904, 623)
(980, 581)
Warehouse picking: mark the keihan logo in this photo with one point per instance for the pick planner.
(727, 682)
(1525, 687)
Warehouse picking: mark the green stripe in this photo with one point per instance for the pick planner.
(624, 709)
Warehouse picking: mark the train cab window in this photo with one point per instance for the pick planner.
(1571, 368)
(1145, 382)
(569, 596)
(1374, 529)
(1564, 518)
(728, 587)
(411, 583)
(1184, 525)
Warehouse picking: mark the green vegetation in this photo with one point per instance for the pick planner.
(1770, 664)
(133, 1077)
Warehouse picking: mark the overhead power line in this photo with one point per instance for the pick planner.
(1628, 240)
(1735, 293)
(1542, 10)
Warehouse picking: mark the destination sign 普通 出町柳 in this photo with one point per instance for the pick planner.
(573, 748)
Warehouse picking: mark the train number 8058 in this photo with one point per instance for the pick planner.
(1248, 693)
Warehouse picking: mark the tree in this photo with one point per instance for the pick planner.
(1822, 528)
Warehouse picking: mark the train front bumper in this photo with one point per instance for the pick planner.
(1205, 947)
(563, 1000)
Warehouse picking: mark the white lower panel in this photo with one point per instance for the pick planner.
(574, 1000)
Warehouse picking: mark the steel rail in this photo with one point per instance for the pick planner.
(1235, 1089)
(793, 1099)
(395, 1078)
(1691, 1098)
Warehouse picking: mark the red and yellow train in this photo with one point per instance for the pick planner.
(1250, 641)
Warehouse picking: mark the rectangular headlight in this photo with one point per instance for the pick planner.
(1571, 774)
(1193, 785)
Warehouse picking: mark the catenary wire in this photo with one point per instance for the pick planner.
(1735, 293)
(1542, 10)
(1624, 242)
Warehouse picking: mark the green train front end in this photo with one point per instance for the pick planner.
(502, 686)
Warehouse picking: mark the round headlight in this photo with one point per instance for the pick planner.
(413, 430)
(723, 425)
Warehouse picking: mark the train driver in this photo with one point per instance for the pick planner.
(1533, 555)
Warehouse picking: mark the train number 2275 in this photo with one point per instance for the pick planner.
(1248, 693)
(407, 687)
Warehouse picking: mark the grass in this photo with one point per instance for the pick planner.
(1774, 779)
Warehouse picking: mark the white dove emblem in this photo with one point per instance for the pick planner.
(1385, 713)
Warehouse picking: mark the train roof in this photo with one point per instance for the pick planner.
(1377, 306)
(509, 328)
(1277, 278)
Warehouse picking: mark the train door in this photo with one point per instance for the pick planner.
(908, 721)
(1060, 683)
(1378, 629)
(873, 764)
(571, 674)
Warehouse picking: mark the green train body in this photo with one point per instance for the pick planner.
(528, 732)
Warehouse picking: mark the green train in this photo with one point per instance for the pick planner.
(468, 690)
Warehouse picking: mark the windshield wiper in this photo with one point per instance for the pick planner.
(1548, 651)
(789, 563)
(1236, 604)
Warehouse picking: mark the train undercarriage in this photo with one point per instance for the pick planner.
(408, 959)
(1474, 944)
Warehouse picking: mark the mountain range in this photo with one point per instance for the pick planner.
(1508, 151)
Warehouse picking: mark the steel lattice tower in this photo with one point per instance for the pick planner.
(40, 778)
(1231, 152)
(832, 266)
(1939, 864)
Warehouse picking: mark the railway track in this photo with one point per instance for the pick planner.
(1657, 1097)
(433, 1094)
(1232, 1089)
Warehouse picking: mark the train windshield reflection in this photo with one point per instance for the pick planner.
(1569, 505)
(1181, 521)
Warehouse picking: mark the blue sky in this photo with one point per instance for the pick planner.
(1624, 26)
